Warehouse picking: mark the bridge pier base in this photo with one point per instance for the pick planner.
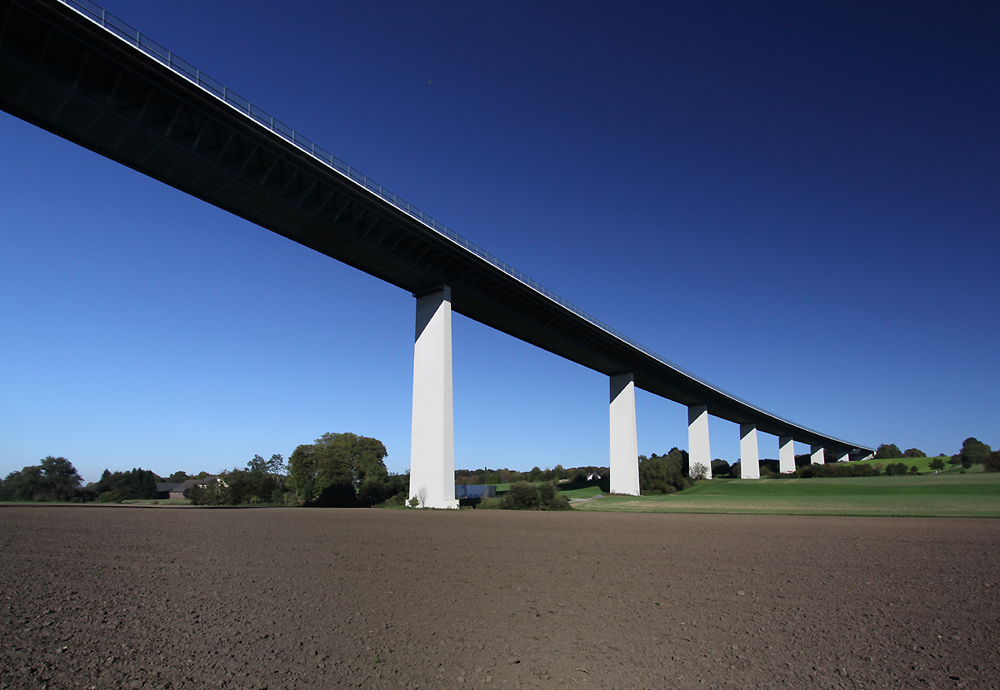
(818, 456)
(845, 457)
(749, 454)
(432, 436)
(699, 445)
(624, 439)
(786, 454)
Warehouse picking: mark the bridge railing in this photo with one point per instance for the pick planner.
(154, 50)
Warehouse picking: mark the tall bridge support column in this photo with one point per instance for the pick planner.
(786, 454)
(699, 446)
(818, 456)
(845, 457)
(624, 440)
(432, 436)
(749, 454)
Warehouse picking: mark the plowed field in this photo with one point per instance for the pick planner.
(118, 597)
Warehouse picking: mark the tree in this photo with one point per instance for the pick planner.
(60, 480)
(698, 471)
(54, 479)
(992, 462)
(914, 453)
(339, 469)
(937, 464)
(134, 484)
(662, 473)
(973, 451)
(888, 451)
(275, 466)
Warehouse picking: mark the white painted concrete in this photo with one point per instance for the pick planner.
(624, 440)
(786, 454)
(699, 446)
(846, 457)
(749, 454)
(818, 456)
(432, 436)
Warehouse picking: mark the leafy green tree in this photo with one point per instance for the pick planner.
(992, 462)
(22, 485)
(888, 451)
(338, 469)
(54, 479)
(134, 484)
(914, 453)
(275, 466)
(662, 473)
(937, 464)
(973, 451)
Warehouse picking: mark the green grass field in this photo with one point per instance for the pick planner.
(948, 494)
(922, 464)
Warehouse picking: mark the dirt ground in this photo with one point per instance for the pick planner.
(118, 597)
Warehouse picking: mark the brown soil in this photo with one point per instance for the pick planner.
(113, 597)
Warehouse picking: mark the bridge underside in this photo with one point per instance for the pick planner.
(67, 75)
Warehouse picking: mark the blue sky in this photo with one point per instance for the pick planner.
(797, 203)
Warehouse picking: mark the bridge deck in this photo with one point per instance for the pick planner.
(115, 92)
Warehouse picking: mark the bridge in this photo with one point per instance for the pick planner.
(77, 71)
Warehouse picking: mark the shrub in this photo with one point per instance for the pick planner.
(396, 501)
(109, 497)
(490, 503)
(914, 470)
(896, 469)
(992, 462)
(522, 496)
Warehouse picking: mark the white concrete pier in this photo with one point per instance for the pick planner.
(699, 445)
(749, 454)
(624, 439)
(818, 455)
(786, 454)
(432, 436)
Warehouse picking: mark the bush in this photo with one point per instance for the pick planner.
(395, 501)
(490, 503)
(521, 496)
(526, 496)
(109, 497)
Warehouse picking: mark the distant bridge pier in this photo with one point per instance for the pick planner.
(624, 440)
(432, 436)
(818, 455)
(749, 453)
(699, 445)
(845, 457)
(786, 454)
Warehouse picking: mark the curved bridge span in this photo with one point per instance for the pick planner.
(70, 68)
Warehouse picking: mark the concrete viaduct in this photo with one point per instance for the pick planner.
(69, 67)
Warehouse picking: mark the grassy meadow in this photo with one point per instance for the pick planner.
(946, 494)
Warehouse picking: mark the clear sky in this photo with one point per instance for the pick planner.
(797, 202)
